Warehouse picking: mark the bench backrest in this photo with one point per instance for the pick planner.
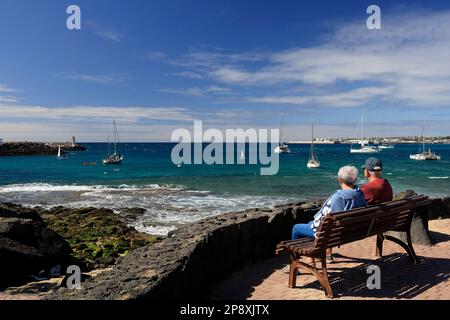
(353, 225)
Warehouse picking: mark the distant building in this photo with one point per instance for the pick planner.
(73, 141)
(1, 141)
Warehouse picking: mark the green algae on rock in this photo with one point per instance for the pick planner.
(97, 237)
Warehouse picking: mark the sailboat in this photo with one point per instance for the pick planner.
(242, 155)
(313, 160)
(113, 158)
(365, 148)
(60, 153)
(282, 147)
(384, 145)
(424, 155)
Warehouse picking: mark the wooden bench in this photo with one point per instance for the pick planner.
(344, 227)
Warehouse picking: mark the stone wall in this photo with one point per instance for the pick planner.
(192, 259)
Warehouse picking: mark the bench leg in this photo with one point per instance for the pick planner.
(412, 253)
(408, 247)
(320, 274)
(293, 274)
(379, 250)
(325, 283)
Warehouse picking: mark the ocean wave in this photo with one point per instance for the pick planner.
(47, 187)
(167, 206)
(438, 177)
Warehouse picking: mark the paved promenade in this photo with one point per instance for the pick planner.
(429, 279)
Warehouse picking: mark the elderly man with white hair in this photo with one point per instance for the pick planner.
(347, 198)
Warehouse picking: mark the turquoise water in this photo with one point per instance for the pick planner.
(174, 195)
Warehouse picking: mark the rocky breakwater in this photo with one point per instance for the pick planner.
(33, 241)
(193, 258)
(35, 148)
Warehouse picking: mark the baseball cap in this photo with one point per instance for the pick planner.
(373, 164)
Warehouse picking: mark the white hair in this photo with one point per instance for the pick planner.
(348, 175)
(374, 173)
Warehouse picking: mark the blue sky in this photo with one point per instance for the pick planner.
(159, 65)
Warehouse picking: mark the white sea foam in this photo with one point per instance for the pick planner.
(166, 206)
(47, 187)
(437, 177)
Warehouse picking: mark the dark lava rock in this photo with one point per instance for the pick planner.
(76, 147)
(98, 237)
(130, 214)
(27, 245)
(420, 234)
(439, 209)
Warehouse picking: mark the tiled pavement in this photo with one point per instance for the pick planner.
(429, 279)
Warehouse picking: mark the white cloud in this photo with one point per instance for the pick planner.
(94, 113)
(4, 88)
(188, 74)
(102, 79)
(155, 56)
(104, 32)
(407, 62)
(7, 98)
(198, 92)
(349, 98)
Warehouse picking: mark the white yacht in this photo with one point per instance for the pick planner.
(60, 153)
(116, 157)
(364, 145)
(282, 147)
(313, 160)
(424, 155)
(384, 145)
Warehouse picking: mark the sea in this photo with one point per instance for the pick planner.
(175, 195)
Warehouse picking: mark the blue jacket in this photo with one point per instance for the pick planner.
(341, 200)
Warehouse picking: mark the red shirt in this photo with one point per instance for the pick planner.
(377, 191)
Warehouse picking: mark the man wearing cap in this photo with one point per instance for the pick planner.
(377, 190)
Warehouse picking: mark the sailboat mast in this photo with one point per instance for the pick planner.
(281, 131)
(423, 134)
(109, 147)
(362, 128)
(312, 142)
(115, 135)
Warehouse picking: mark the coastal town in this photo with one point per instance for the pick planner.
(377, 140)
